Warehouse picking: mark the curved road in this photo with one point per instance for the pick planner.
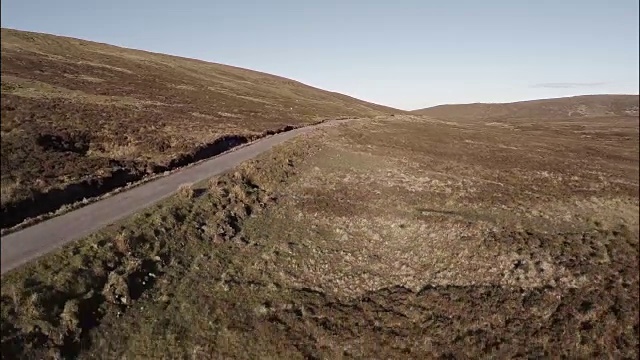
(25, 245)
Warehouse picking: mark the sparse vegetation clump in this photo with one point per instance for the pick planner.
(121, 243)
(186, 191)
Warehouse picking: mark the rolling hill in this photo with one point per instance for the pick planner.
(80, 118)
(569, 107)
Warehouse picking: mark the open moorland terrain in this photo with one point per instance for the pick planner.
(460, 231)
(80, 118)
(398, 237)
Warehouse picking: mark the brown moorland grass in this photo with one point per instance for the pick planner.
(80, 118)
(405, 237)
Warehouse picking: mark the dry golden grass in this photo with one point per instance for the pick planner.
(412, 212)
(186, 191)
(121, 243)
(420, 206)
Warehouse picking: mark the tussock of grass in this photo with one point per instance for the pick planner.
(186, 191)
(121, 243)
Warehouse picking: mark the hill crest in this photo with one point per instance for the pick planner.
(574, 106)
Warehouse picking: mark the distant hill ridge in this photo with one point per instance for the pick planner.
(575, 106)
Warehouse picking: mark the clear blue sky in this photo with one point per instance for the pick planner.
(402, 53)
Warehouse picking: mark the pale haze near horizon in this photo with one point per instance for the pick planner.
(404, 54)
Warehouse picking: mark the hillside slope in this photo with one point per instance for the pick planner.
(577, 106)
(80, 118)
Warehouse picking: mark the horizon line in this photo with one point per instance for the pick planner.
(304, 83)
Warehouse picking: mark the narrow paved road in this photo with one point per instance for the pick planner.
(25, 245)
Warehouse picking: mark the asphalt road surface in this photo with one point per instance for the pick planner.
(25, 245)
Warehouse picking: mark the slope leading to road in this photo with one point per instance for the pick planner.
(80, 118)
(24, 245)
